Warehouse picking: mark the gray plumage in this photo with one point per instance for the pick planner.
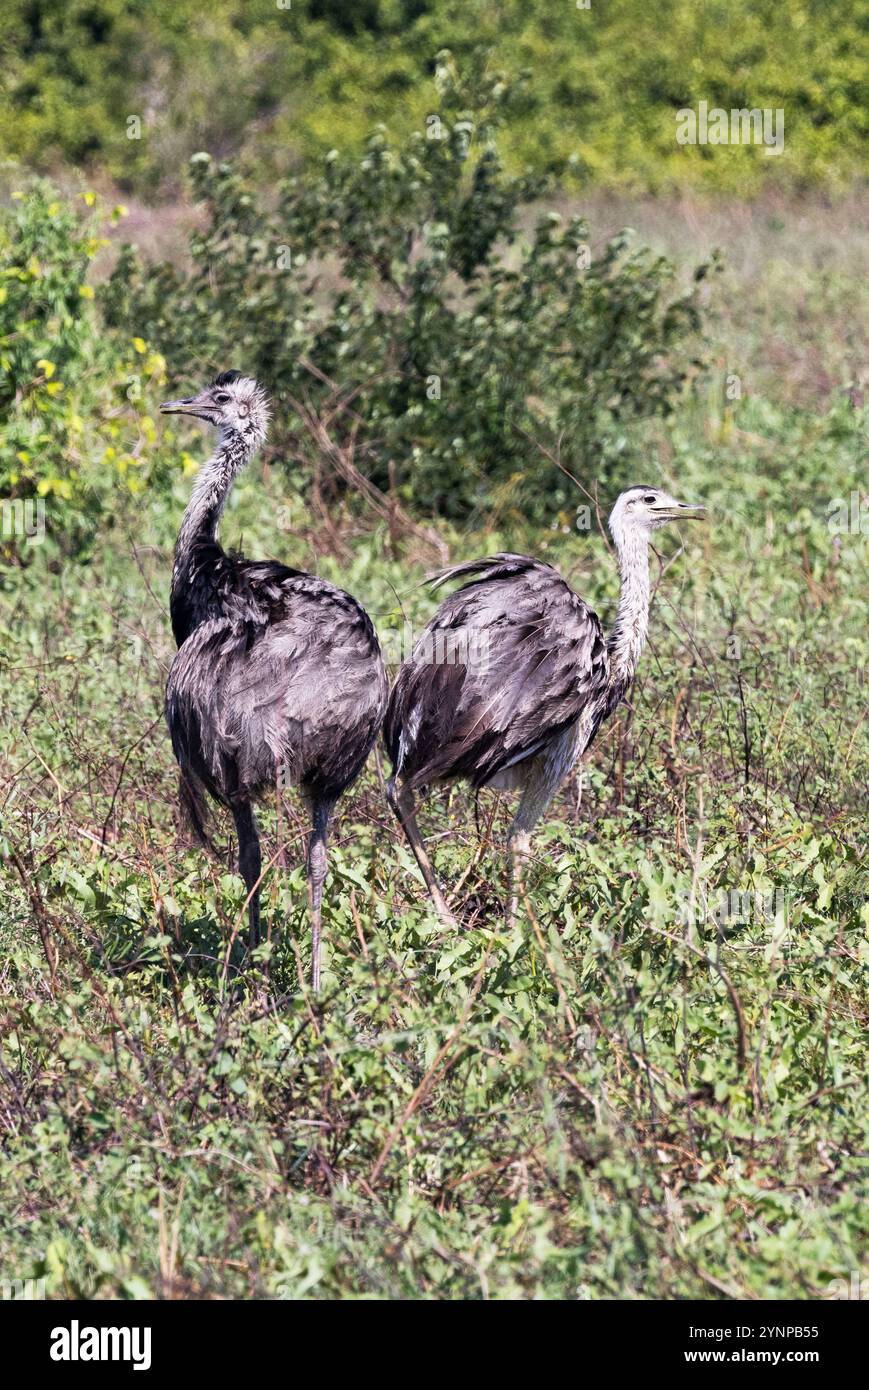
(511, 679)
(278, 679)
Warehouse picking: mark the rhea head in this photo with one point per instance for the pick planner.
(641, 510)
(235, 404)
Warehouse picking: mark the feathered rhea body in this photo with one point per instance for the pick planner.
(279, 683)
(278, 680)
(525, 659)
(511, 679)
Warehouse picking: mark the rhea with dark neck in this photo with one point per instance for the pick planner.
(278, 680)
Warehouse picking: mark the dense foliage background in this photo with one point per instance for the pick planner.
(654, 1087)
(603, 87)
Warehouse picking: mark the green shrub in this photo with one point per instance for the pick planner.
(606, 84)
(394, 300)
(70, 427)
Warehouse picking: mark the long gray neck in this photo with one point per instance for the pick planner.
(628, 636)
(210, 491)
(198, 573)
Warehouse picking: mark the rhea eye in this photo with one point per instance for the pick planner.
(649, 498)
(222, 397)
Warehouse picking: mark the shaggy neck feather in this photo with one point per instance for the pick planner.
(199, 570)
(211, 489)
(628, 636)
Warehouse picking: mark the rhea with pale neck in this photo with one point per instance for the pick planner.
(534, 678)
(278, 680)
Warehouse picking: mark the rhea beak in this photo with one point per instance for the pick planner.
(680, 511)
(199, 406)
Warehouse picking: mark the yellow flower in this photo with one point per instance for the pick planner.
(140, 345)
(61, 487)
(47, 368)
(155, 365)
(90, 198)
(54, 388)
(86, 291)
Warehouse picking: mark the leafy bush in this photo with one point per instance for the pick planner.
(70, 430)
(406, 324)
(607, 82)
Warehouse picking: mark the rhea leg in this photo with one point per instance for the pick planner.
(402, 803)
(536, 796)
(542, 776)
(519, 851)
(317, 862)
(249, 864)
